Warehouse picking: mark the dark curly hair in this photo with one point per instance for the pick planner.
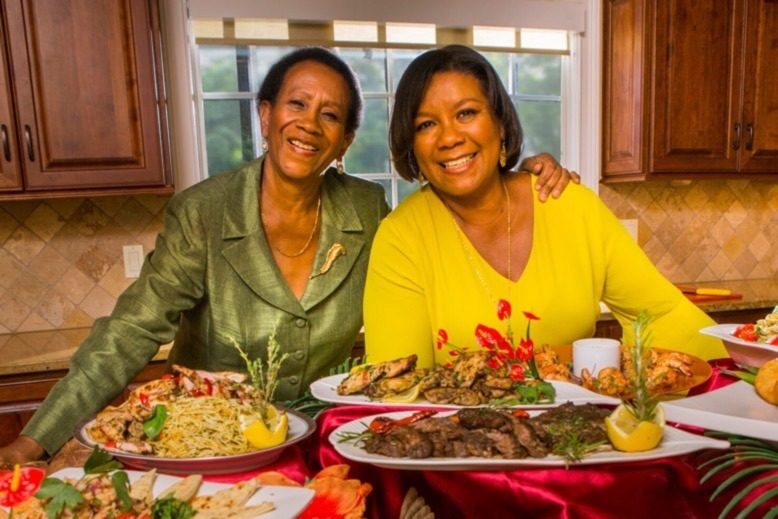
(413, 86)
(277, 73)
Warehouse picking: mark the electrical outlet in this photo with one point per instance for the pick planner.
(632, 227)
(133, 260)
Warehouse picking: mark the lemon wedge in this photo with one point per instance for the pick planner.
(629, 435)
(262, 435)
(406, 397)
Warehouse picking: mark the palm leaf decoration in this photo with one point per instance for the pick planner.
(749, 468)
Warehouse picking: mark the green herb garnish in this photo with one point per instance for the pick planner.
(171, 508)
(62, 495)
(100, 461)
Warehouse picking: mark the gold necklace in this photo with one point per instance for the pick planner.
(310, 236)
(468, 254)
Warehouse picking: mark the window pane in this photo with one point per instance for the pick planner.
(369, 66)
(538, 74)
(370, 151)
(501, 62)
(224, 69)
(541, 122)
(264, 57)
(228, 136)
(399, 62)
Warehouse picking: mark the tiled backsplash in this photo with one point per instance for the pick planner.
(61, 260)
(705, 230)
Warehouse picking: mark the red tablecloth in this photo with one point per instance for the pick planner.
(667, 487)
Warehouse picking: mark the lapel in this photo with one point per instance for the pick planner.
(341, 225)
(246, 250)
(245, 246)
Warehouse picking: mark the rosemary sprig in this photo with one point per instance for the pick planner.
(572, 447)
(357, 438)
(264, 376)
(642, 405)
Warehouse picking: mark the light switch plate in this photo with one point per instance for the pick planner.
(133, 260)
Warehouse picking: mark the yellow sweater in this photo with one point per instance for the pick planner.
(424, 276)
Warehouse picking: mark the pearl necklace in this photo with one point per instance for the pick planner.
(471, 260)
(310, 236)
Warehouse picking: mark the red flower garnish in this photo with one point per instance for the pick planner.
(19, 484)
(526, 350)
(442, 338)
(531, 316)
(493, 340)
(503, 310)
(517, 372)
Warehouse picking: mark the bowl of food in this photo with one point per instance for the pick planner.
(749, 344)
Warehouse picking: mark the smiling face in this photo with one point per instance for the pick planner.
(305, 125)
(457, 138)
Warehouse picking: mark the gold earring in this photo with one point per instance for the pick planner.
(503, 155)
(264, 146)
(339, 166)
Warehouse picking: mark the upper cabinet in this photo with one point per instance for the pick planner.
(82, 104)
(690, 89)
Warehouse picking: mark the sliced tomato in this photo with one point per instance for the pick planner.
(747, 332)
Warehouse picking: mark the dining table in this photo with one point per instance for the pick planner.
(664, 487)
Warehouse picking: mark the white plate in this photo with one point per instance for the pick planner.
(300, 427)
(745, 353)
(675, 442)
(289, 501)
(325, 389)
(735, 408)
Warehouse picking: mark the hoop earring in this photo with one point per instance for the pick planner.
(503, 155)
(339, 166)
(264, 146)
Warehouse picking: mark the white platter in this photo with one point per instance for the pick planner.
(325, 389)
(300, 427)
(745, 353)
(735, 408)
(675, 442)
(288, 501)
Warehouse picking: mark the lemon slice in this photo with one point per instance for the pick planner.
(406, 397)
(629, 435)
(263, 435)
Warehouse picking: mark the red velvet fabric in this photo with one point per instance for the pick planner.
(667, 487)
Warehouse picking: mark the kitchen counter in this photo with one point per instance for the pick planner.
(34, 352)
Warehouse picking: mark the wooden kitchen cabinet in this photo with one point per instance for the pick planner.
(82, 99)
(690, 89)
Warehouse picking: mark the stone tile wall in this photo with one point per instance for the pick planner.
(61, 262)
(704, 230)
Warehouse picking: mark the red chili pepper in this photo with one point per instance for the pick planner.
(144, 399)
(520, 413)
(383, 425)
(19, 484)
(208, 387)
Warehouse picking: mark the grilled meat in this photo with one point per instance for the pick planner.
(398, 384)
(450, 395)
(490, 433)
(359, 380)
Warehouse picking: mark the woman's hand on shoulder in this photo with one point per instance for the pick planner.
(22, 450)
(552, 177)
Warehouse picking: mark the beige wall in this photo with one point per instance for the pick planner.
(61, 260)
(703, 230)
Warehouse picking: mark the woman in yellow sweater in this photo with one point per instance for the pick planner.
(475, 233)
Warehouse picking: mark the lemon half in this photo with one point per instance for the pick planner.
(263, 434)
(406, 397)
(629, 435)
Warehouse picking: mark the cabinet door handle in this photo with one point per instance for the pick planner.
(6, 144)
(736, 142)
(750, 132)
(28, 141)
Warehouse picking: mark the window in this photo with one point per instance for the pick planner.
(231, 75)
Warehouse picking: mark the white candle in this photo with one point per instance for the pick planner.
(595, 354)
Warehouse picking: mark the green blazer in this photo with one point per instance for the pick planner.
(212, 280)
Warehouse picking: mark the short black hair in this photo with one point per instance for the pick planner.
(277, 73)
(413, 86)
